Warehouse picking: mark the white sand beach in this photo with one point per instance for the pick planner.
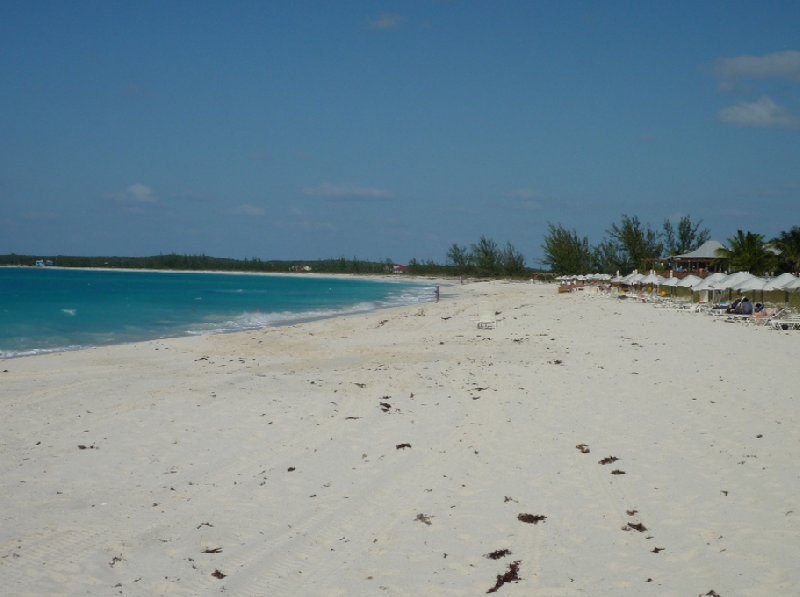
(390, 453)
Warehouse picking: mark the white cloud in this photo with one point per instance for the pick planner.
(387, 21)
(142, 193)
(779, 65)
(136, 193)
(761, 113)
(526, 199)
(252, 211)
(346, 191)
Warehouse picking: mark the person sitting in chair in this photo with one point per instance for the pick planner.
(734, 306)
(761, 313)
(745, 307)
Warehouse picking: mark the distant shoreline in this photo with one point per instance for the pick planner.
(375, 277)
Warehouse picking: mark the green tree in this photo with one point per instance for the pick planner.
(459, 258)
(512, 261)
(788, 242)
(565, 252)
(686, 238)
(485, 257)
(747, 252)
(636, 243)
(608, 258)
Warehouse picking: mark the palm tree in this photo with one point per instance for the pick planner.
(789, 245)
(747, 252)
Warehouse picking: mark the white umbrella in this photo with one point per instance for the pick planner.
(790, 287)
(754, 283)
(689, 281)
(636, 278)
(787, 285)
(652, 278)
(671, 283)
(707, 283)
(732, 281)
(784, 280)
(714, 277)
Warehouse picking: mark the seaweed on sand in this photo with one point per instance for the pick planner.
(510, 575)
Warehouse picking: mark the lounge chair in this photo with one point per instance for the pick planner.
(766, 316)
(786, 322)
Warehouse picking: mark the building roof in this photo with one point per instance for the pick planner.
(708, 250)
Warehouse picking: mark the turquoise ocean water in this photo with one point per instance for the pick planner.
(46, 309)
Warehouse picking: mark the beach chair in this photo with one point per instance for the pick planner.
(487, 317)
(766, 316)
(786, 322)
(739, 318)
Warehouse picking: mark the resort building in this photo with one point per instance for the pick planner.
(703, 259)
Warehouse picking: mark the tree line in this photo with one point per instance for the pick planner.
(486, 259)
(630, 245)
(483, 259)
(176, 262)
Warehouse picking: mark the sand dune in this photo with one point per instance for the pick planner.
(586, 446)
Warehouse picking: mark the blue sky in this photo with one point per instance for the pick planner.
(304, 130)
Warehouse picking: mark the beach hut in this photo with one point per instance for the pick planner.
(703, 257)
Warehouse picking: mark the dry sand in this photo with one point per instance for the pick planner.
(389, 453)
